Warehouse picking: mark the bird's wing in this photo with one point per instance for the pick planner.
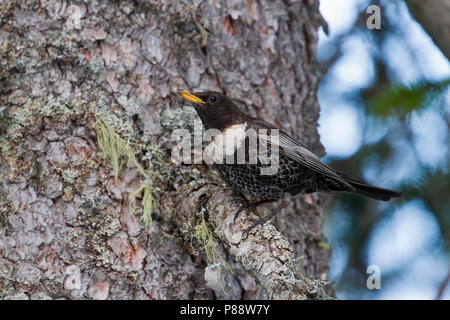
(298, 152)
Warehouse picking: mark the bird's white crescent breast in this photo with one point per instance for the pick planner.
(228, 141)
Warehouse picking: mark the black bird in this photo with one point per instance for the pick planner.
(299, 170)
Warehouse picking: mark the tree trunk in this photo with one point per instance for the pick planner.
(91, 204)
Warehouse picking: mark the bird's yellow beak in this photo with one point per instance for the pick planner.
(190, 97)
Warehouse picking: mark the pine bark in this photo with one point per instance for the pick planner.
(66, 228)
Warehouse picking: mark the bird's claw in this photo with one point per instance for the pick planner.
(236, 215)
(245, 204)
(255, 223)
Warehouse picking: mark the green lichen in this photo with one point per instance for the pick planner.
(205, 237)
(113, 148)
(28, 118)
(69, 175)
(147, 202)
(324, 245)
(101, 224)
(117, 152)
(185, 118)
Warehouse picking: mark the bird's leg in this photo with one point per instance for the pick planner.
(248, 205)
(263, 220)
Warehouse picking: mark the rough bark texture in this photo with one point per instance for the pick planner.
(66, 229)
(434, 18)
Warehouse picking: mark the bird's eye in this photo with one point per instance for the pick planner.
(212, 99)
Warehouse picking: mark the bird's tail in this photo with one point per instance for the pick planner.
(371, 191)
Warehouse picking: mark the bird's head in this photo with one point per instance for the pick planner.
(214, 108)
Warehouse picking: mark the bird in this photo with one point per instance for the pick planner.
(299, 170)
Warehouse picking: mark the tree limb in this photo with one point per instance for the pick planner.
(266, 254)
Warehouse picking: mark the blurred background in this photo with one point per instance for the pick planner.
(385, 118)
